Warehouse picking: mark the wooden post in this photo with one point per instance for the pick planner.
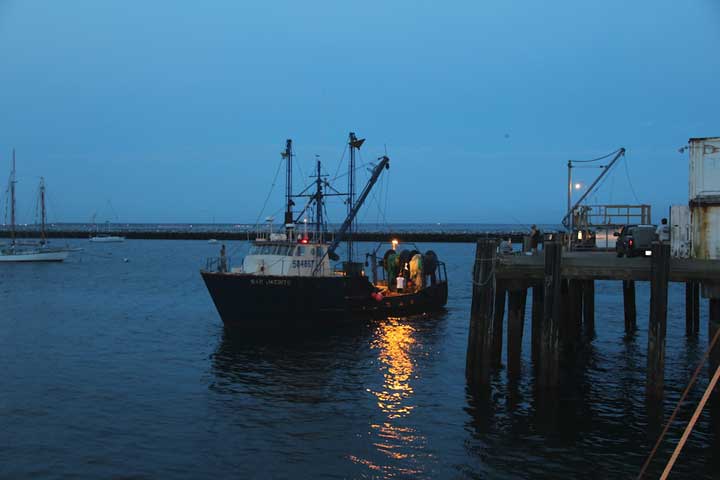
(629, 301)
(498, 318)
(574, 319)
(516, 322)
(479, 352)
(550, 342)
(589, 308)
(692, 308)
(657, 326)
(538, 302)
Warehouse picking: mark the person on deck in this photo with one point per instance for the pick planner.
(534, 239)
(663, 231)
(506, 247)
(222, 262)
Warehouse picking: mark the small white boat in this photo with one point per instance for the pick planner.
(212, 240)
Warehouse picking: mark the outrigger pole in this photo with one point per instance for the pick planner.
(345, 227)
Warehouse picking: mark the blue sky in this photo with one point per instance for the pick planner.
(176, 111)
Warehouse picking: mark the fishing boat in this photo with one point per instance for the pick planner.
(17, 251)
(287, 278)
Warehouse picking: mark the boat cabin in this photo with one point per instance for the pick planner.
(302, 259)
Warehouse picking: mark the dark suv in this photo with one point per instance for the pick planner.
(635, 240)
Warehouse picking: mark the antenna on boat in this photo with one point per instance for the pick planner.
(355, 145)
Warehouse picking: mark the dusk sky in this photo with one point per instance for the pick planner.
(176, 111)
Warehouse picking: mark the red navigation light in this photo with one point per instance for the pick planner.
(630, 242)
(304, 240)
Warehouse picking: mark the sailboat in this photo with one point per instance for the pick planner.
(104, 236)
(287, 279)
(17, 251)
(99, 237)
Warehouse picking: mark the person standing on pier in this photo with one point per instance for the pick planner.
(534, 239)
(663, 231)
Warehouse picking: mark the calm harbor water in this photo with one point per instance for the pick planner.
(116, 364)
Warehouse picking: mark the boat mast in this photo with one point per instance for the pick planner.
(318, 205)
(355, 145)
(12, 200)
(43, 214)
(287, 155)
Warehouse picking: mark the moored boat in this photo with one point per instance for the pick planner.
(287, 278)
(41, 251)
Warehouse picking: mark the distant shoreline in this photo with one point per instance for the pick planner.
(403, 236)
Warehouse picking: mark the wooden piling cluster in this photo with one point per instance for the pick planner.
(562, 309)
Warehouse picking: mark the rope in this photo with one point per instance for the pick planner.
(597, 159)
(272, 187)
(627, 174)
(491, 275)
(677, 407)
(691, 424)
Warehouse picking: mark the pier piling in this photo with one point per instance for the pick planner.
(657, 325)
(575, 312)
(629, 306)
(692, 308)
(516, 320)
(550, 342)
(480, 338)
(498, 318)
(588, 299)
(538, 302)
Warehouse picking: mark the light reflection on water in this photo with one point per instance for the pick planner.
(394, 441)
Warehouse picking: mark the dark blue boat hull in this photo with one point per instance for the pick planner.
(266, 301)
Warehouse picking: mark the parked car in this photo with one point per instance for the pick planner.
(635, 240)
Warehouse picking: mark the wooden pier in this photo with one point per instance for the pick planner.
(563, 307)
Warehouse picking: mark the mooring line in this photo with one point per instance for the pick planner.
(677, 407)
(691, 424)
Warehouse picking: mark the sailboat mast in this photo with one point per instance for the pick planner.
(287, 155)
(43, 214)
(12, 200)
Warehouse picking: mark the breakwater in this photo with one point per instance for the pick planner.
(185, 234)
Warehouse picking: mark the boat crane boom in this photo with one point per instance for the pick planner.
(383, 164)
